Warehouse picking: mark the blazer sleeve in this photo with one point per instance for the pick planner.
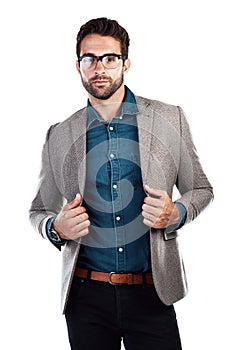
(192, 183)
(48, 200)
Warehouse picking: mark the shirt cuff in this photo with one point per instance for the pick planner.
(56, 243)
(183, 214)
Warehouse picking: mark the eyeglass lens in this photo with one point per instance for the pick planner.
(108, 61)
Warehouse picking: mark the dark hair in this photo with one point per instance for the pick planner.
(105, 27)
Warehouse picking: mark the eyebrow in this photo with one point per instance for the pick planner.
(92, 54)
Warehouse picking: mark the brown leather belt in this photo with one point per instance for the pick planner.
(115, 278)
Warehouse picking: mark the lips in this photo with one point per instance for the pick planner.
(100, 82)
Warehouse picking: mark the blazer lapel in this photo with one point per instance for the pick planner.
(144, 122)
(78, 131)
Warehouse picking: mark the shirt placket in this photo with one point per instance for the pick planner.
(117, 205)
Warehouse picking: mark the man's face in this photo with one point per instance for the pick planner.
(101, 82)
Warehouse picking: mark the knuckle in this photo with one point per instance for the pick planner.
(81, 209)
(145, 221)
(82, 217)
(146, 200)
(86, 223)
(83, 232)
(85, 215)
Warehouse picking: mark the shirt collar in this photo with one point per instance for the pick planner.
(129, 107)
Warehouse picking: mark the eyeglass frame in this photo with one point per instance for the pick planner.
(100, 58)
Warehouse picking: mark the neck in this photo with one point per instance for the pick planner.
(108, 109)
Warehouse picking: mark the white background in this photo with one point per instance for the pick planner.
(182, 53)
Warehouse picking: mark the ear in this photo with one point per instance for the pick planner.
(127, 64)
(78, 67)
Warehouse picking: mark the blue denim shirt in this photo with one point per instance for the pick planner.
(117, 240)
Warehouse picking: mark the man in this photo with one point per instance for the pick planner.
(105, 200)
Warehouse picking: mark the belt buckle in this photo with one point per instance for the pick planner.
(109, 279)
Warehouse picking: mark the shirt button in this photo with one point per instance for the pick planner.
(115, 186)
(112, 155)
(111, 128)
(118, 218)
(120, 250)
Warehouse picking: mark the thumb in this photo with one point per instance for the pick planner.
(75, 202)
(152, 192)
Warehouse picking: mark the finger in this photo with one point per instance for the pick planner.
(76, 211)
(68, 214)
(152, 207)
(152, 214)
(79, 218)
(147, 223)
(150, 218)
(155, 223)
(84, 232)
(152, 202)
(158, 224)
(154, 192)
(76, 230)
(82, 226)
(75, 202)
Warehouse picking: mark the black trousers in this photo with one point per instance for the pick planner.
(99, 315)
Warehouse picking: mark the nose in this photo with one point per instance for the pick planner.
(99, 67)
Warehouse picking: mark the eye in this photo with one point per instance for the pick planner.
(89, 60)
(110, 59)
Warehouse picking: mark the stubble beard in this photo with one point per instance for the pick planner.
(102, 92)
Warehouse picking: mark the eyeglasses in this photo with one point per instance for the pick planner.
(109, 60)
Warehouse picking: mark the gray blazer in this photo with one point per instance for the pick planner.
(167, 156)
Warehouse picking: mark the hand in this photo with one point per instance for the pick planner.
(158, 209)
(72, 221)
